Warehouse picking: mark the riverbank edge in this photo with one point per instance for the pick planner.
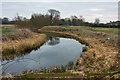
(88, 54)
(64, 34)
(69, 35)
(18, 47)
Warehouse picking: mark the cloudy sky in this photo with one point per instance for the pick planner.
(59, 0)
(106, 11)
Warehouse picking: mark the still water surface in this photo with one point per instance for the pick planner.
(56, 51)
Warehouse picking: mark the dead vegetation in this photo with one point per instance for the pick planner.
(103, 55)
(20, 41)
(102, 58)
(17, 34)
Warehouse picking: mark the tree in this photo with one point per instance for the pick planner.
(62, 22)
(67, 21)
(22, 22)
(54, 15)
(81, 18)
(74, 20)
(5, 20)
(97, 21)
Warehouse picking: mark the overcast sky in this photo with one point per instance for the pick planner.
(106, 11)
(59, 0)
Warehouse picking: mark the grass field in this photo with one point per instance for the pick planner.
(3, 31)
(110, 31)
(7, 29)
(8, 25)
(113, 31)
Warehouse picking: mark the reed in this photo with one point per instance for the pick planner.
(23, 45)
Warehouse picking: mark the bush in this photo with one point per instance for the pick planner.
(84, 49)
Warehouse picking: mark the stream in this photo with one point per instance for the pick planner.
(56, 51)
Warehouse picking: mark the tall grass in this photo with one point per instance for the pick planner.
(20, 46)
(101, 57)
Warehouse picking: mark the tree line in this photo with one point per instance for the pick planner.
(52, 18)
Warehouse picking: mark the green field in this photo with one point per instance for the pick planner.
(6, 31)
(85, 29)
(113, 31)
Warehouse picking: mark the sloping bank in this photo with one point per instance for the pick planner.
(62, 34)
(98, 61)
(18, 45)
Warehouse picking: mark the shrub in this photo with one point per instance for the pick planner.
(84, 49)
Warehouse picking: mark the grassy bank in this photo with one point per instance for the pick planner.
(111, 31)
(62, 34)
(19, 42)
(102, 57)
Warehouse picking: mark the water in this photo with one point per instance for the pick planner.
(55, 52)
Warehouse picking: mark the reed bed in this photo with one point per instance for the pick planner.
(11, 47)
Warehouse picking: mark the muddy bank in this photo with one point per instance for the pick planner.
(19, 42)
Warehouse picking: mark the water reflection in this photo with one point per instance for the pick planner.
(53, 41)
(55, 52)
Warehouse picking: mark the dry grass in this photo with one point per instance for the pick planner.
(102, 55)
(18, 44)
(62, 34)
(99, 59)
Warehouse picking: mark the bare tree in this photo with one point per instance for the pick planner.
(97, 21)
(54, 14)
(81, 18)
